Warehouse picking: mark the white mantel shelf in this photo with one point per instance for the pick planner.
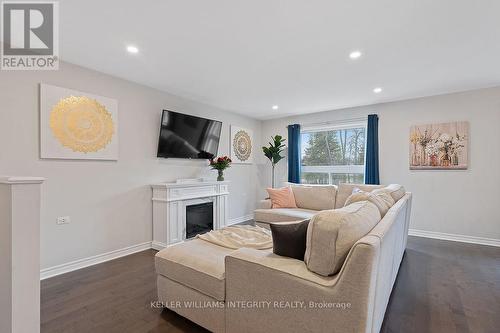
(167, 192)
(188, 184)
(169, 208)
(21, 180)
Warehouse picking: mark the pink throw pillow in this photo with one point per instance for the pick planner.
(282, 197)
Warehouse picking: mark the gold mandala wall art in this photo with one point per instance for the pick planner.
(76, 125)
(81, 124)
(241, 145)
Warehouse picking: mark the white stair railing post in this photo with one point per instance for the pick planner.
(20, 254)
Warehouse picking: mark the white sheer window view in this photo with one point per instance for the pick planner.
(333, 154)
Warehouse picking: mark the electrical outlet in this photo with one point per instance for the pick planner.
(63, 220)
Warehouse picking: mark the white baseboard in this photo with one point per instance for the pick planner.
(241, 219)
(158, 246)
(454, 237)
(100, 258)
(94, 260)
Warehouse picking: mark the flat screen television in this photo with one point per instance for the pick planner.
(186, 136)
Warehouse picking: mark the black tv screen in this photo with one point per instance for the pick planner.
(185, 136)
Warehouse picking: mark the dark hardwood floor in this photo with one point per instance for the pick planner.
(446, 287)
(441, 287)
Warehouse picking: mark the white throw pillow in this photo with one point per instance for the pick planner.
(396, 191)
(379, 197)
(345, 190)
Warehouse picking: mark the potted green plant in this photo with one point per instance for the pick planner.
(220, 164)
(274, 150)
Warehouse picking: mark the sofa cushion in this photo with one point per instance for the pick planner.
(345, 190)
(396, 191)
(289, 239)
(379, 197)
(315, 197)
(282, 197)
(332, 233)
(196, 264)
(282, 214)
(265, 204)
(291, 267)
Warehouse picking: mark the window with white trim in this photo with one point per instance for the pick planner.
(333, 153)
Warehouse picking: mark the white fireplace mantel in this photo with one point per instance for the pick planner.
(169, 208)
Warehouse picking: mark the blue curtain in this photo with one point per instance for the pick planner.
(294, 153)
(371, 167)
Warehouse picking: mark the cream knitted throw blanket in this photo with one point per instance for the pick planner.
(235, 237)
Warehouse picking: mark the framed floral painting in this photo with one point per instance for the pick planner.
(439, 146)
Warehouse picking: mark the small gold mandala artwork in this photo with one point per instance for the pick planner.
(242, 144)
(81, 124)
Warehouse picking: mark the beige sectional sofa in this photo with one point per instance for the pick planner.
(250, 290)
(309, 199)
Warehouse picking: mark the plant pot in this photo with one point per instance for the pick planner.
(220, 176)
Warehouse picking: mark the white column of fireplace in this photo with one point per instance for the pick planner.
(20, 254)
(169, 208)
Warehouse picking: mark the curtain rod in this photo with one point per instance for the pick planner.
(343, 121)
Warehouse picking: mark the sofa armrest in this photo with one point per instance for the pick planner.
(289, 298)
(265, 204)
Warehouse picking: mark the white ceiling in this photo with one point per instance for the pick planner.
(247, 55)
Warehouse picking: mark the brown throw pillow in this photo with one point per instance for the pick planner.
(289, 239)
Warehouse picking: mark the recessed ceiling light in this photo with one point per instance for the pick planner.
(377, 90)
(275, 107)
(355, 54)
(132, 49)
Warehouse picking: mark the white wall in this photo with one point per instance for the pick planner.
(109, 202)
(5, 258)
(455, 202)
